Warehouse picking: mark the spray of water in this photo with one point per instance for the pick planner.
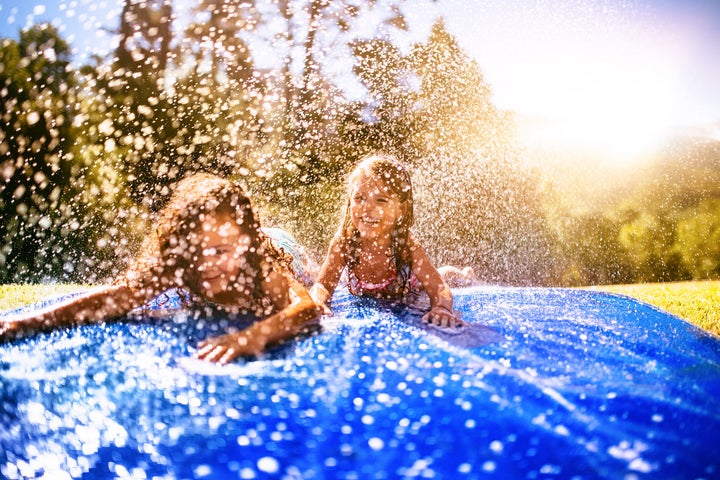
(287, 96)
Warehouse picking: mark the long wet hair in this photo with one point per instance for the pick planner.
(171, 253)
(393, 175)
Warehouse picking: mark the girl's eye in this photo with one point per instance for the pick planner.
(215, 251)
(382, 200)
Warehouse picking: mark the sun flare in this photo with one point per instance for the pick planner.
(623, 114)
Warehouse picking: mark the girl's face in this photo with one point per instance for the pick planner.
(222, 257)
(374, 208)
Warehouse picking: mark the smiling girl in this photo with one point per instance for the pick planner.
(375, 245)
(207, 243)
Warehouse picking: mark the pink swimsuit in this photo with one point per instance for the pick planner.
(394, 288)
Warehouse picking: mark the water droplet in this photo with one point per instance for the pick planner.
(376, 443)
(268, 465)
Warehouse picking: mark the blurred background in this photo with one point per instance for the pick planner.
(555, 143)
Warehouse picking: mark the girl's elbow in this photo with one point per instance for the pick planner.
(309, 313)
(306, 310)
(312, 312)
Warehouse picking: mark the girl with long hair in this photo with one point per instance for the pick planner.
(374, 244)
(208, 244)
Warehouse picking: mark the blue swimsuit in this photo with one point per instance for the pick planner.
(282, 239)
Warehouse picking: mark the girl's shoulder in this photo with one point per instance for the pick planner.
(276, 288)
(413, 245)
(339, 248)
(303, 266)
(339, 241)
(283, 243)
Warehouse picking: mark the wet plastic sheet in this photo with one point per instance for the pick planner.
(546, 384)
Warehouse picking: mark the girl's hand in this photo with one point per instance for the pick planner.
(442, 317)
(226, 348)
(7, 332)
(15, 330)
(320, 296)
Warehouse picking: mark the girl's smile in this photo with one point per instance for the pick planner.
(371, 221)
(222, 256)
(374, 209)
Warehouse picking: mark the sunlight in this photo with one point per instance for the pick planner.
(622, 107)
(623, 139)
(603, 79)
(618, 124)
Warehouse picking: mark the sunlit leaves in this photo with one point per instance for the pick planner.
(247, 90)
(35, 139)
(698, 239)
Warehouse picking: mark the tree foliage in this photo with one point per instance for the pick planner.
(664, 229)
(88, 154)
(35, 136)
(697, 239)
(47, 226)
(433, 109)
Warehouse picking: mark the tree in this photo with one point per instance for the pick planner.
(667, 221)
(591, 253)
(433, 110)
(697, 240)
(139, 111)
(218, 40)
(315, 109)
(41, 215)
(386, 121)
(177, 105)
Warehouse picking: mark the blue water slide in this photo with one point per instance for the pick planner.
(542, 383)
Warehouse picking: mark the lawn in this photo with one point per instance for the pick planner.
(697, 302)
(16, 295)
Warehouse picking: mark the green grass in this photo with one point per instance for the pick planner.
(696, 302)
(16, 295)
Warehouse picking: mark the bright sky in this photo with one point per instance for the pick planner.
(615, 75)
(610, 75)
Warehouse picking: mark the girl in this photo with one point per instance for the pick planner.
(207, 243)
(375, 244)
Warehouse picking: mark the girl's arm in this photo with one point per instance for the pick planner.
(329, 276)
(441, 301)
(298, 310)
(101, 304)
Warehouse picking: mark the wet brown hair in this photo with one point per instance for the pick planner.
(396, 178)
(170, 255)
